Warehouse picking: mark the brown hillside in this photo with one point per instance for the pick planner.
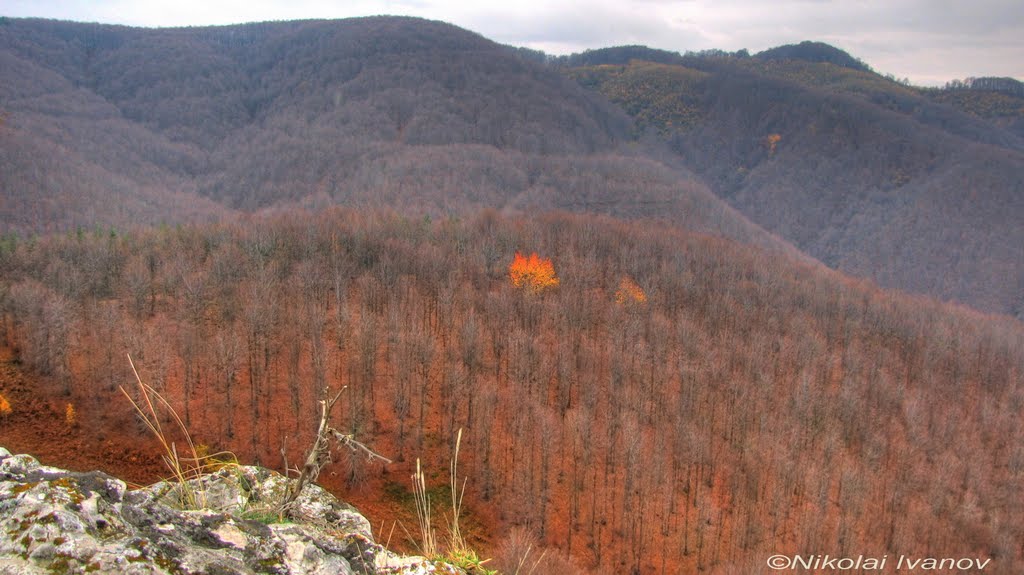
(746, 405)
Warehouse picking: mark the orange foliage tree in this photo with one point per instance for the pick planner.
(629, 292)
(534, 273)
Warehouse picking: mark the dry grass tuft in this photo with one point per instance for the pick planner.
(195, 463)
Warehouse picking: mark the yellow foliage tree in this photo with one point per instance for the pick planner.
(70, 417)
(772, 140)
(629, 292)
(5, 407)
(534, 273)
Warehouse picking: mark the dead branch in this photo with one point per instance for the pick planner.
(351, 443)
(319, 454)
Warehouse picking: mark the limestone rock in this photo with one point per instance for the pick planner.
(57, 521)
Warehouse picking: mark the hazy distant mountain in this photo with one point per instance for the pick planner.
(148, 125)
(998, 100)
(814, 52)
(873, 177)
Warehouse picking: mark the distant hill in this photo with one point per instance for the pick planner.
(997, 100)
(619, 55)
(109, 125)
(1009, 86)
(868, 175)
(817, 52)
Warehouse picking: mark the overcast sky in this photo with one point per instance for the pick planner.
(928, 41)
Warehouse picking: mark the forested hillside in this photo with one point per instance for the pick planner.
(870, 176)
(674, 403)
(998, 100)
(115, 126)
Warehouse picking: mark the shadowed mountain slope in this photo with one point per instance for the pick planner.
(870, 176)
(150, 125)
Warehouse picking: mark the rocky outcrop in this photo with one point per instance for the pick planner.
(54, 521)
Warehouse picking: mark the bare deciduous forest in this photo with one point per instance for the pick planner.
(852, 167)
(746, 405)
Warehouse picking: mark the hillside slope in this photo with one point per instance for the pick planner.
(108, 125)
(867, 175)
(69, 157)
(678, 403)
